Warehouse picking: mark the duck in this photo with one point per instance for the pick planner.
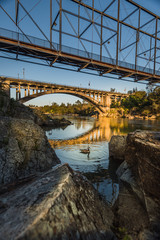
(85, 150)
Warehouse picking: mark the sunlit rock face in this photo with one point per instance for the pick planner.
(24, 149)
(59, 204)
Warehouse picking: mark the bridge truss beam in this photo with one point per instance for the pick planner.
(95, 20)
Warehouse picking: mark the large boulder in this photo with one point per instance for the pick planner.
(12, 108)
(59, 204)
(24, 149)
(117, 146)
(143, 155)
(138, 205)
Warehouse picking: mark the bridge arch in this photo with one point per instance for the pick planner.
(81, 95)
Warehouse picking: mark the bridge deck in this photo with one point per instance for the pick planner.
(15, 82)
(25, 45)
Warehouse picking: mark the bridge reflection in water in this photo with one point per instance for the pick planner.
(96, 166)
(102, 130)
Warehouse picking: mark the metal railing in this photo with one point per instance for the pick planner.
(46, 44)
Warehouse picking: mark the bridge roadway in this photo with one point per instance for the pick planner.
(29, 89)
(32, 47)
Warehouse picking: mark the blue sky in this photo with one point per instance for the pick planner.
(41, 73)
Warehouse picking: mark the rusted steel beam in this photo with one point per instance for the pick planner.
(53, 61)
(117, 49)
(50, 23)
(65, 58)
(144, 9)
(87, 20)
(107, 71)
(83, 66)
(34, 22)
(127, 75)
(108, 6)
(116, 19)
(109, 38)
(17, 11)
(130, 15)
(137, 37)
(155, 49)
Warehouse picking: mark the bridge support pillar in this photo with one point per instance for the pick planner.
(98, 97)
(19, 87)
(6, 88)
(17, 94)
(102, 99)
(94, 95)
(108, 101)
(25, 92)
(28, 90)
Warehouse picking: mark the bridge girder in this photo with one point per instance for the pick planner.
(95, 21)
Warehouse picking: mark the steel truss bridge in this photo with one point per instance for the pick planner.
(27, 90)
(116, 38)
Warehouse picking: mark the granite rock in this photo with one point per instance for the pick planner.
(24, 149)
(117, 147)
(59, 204)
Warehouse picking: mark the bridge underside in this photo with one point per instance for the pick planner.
(18, 49)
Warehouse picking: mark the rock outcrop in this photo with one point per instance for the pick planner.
(11, 108)
(59, 204)
(143, 155)
(24, 149)
(117, 147)
(137, 208)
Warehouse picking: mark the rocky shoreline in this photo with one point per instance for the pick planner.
(137, 209)
(42, 199)
(120, 113)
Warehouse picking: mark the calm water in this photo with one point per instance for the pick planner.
(96, 134)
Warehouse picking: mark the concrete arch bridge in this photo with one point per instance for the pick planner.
(27, 90)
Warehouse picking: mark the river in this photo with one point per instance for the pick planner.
(96, 134)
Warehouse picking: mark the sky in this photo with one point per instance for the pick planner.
(53, 75)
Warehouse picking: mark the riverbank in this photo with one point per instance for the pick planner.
(41, 198)
(118, 112)
(121, 113)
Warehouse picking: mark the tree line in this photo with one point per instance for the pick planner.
(138, 102)
(141, 102)
(79, 108)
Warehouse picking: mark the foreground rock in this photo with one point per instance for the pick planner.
(138, 206)
(24, 149)
(117, 147)
(57, 205)
(143, 155)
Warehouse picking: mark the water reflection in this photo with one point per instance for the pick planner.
(89, 131)
(96, 134)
